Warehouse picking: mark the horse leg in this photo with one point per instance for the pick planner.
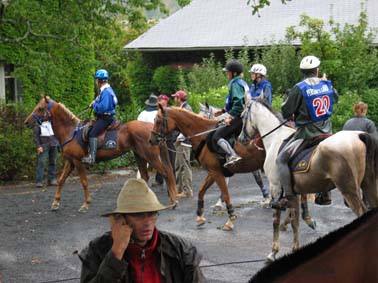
(219, 205)
(221, 182)
(276, 235)
(305, 214)
(142, 167)
(80, 168)
(295, 224)
(266, 199)
(283, 225)
(209, 180)
(67, 169)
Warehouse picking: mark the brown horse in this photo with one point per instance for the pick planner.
(346, 255)
(193, 125)
(133, 136)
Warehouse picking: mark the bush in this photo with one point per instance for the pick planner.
(165, 79)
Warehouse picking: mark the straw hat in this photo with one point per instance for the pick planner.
(136, 197)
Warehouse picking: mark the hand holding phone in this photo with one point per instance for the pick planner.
(121, 234)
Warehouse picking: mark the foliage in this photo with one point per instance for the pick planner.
(165, 79)
(214, 97)
(257, 5)
(207, 75)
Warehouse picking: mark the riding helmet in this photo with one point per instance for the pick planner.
(234, 66)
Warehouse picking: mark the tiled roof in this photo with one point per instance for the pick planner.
(220, 24)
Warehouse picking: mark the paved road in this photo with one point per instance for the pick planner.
(37, 245)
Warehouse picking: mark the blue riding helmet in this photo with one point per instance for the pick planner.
(102, 74)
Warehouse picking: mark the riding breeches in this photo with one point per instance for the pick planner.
(102, 122)
(225, 132)
(282, 163)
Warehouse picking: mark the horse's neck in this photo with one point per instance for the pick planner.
(63, 123)
(266, 122)
(190, 124)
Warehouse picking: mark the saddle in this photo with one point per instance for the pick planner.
(300, 162)
(106, 140)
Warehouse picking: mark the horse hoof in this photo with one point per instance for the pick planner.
(271, 257)
(217, 208)
(229, 226)
(55, 206)
(312, 225)
(200, 221)
(83, 209)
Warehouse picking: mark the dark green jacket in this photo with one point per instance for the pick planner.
(236, 97)
(179, 261)
(295, 104)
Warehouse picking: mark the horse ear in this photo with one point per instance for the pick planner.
(200, 104)
(207, 105)
(161, 107)
(46, 98)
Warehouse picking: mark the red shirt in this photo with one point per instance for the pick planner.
(143, 261)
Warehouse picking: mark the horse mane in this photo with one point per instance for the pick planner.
(205, 120)
(288, 262)
(270, 108)
(68, 112)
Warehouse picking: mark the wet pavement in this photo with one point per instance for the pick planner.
(38, 245)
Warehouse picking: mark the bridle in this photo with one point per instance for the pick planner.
(40, 118)
(163, 128)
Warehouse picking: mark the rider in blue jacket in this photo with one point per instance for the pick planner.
(260, 87)
(104, 107)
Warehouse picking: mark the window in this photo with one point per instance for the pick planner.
(10, 88)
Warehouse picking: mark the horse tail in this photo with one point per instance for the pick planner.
(371, 144)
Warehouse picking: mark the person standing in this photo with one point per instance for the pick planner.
(104, 107)
(310, 103)
(149, 114)
(360, 122)
(183, 168)
(260, 87)
(135, 250)
(234, 106)
(47, 147)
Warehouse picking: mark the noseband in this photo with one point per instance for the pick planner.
(39, 118)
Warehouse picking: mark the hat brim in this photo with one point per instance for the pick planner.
(157, 208)
(148, 103)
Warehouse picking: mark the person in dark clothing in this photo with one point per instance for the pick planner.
(135, 250)
(234, 106)
(104, 108)
(47, 146)
(310, 104)
(360, 122)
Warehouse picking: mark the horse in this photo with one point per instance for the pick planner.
(347, 160)
(132, 136)
(345, 255)
(195, 127)
(208, 111)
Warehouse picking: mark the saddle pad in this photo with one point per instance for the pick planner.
(110, 140)
(301, 163)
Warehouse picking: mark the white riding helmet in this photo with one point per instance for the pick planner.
(258, 69)
(309, 62)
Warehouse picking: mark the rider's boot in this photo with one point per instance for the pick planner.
(91, 158)
(232, 156)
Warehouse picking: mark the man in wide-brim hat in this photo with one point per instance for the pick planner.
(135, 250)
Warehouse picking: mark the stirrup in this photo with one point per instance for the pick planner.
(232, 160)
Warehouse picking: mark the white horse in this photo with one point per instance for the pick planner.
(347, 160)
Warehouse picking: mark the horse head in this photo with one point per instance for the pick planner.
(161, 126)
(40, 113)
(249, 129)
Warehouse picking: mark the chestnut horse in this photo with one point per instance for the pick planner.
(133, 136)
(193, 126)
(346, 255)
(208, 111)
(347, 160)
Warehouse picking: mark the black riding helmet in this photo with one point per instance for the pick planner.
(234, 66)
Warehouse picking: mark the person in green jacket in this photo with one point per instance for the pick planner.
(234, 106)
(135, 250)
(310, 105)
